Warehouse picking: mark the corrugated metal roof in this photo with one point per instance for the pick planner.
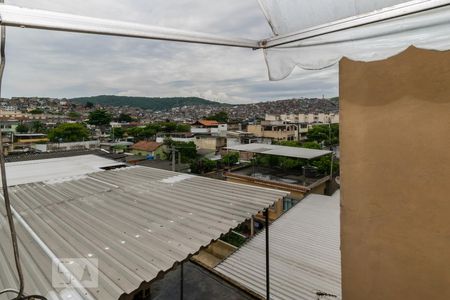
(304, 253)
(278, 150)
(137, 221)
(22, 172)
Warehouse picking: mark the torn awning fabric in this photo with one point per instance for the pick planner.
(376, 40)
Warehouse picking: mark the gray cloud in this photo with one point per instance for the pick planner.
(56, 64)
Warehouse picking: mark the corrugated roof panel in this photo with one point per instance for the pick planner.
(134, 221)
(22, 172)
(277, 150)
(304, 253)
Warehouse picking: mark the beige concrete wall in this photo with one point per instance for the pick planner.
(395, 176)
(258, 131)
(210, 143)
(255, 129)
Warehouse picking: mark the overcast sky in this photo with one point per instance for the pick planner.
(56, 64)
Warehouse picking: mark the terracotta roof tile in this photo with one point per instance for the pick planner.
(149, 146)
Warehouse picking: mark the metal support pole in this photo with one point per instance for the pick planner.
(331, 167)
(181, 281)
(304, 174)
(266, 213)
(173, 158)
(252, 226)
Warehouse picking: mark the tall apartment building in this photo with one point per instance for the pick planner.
(278, 130)
(324, 118)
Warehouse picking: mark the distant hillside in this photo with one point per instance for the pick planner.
(153, 103)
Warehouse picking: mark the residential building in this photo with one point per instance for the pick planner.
(309, 118)
(184, 137)
(210, 142)
(150, 149)
(275, 130)
(49, 147)
(241, 137)
(29, 138)
(209, 127)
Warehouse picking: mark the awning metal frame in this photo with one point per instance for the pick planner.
(16, 16)
(397, 11)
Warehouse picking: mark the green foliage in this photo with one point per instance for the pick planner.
(142, 133)
(117, 133)
(188, 150)
(311, 145)
(89, 104)
(22, 128)
(204, 165)
(99, 117)
(183, 128)
(125, 118)
(69, 133)
(323, 165)
(290, 163)
(289, 143)
(272, 161)
(120, 148)
(73, 115)
(221, 117)
(154, 103)
(167, 126)
(233, 239)
(37, 111)
(150, 131)
(230, 159)
(322, 134)
(38, 127)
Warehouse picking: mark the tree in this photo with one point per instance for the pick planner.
(118, 133)
(38, 127)
(311, 145)
(124, 118)
(168, 126)
(221, 117)
(142, 133)
(326, 134)
(188, 150)
(37, 111)
(22, 128)
(89, 104)
(201, 166)
(99, 117)
(183, 128)
(135, 132)
(68, 133)
(230, 158)
(73, 115)
(323, 165)
(289, 143)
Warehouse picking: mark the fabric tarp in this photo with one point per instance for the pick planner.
(429, 30)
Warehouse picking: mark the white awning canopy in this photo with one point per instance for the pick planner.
(317, 34)
(307, 34)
